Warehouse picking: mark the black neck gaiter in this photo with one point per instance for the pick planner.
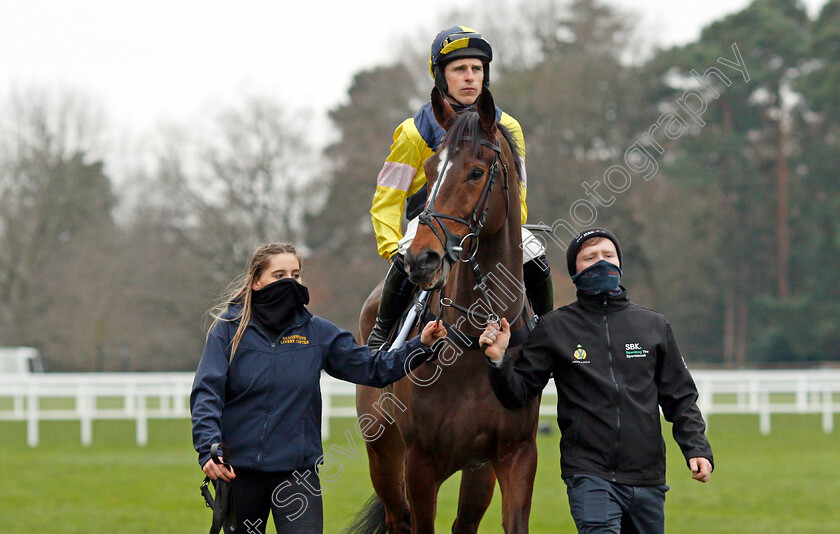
(599, 278)
(273, 307)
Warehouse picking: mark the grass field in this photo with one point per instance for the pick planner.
(786, 482)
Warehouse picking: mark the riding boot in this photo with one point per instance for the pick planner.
(538, 285)
(395, 297)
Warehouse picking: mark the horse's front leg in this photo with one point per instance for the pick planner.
(477, 487)
(386, 458)
(423, 478)
(516, 470)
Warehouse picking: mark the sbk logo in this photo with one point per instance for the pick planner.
(635, 350)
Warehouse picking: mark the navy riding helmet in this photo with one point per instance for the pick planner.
(455, 43)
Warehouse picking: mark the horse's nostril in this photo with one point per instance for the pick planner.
(428, 261)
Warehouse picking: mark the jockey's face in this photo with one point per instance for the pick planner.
(464, 78)
(283, 265)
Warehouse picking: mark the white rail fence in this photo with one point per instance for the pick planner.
(88, 397)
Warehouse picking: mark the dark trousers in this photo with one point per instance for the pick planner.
(600, 506)
(293, 498)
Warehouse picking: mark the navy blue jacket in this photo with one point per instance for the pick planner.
(266, 403)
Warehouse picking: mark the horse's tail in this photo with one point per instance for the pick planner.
(370, 519)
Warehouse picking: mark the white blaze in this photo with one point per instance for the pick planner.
(443, 167)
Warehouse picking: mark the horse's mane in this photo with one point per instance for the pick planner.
(467, 125)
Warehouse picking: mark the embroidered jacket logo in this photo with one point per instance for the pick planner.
(580, 355)
(300, 340)
(635, 350)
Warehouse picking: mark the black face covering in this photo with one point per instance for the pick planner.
(599, 278)
(273, 307)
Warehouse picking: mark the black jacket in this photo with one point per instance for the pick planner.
(614, 364)
(266, 403)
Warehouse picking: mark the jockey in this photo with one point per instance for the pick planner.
(460, 65)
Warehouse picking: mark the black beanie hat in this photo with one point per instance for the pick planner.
(574, 246)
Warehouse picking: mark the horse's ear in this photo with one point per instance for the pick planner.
(486, 111)
(444, 114)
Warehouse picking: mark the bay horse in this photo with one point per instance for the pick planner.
(444, 418)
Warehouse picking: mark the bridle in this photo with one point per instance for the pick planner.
(453, 244)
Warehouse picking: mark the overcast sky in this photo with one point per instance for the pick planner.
(153, 61)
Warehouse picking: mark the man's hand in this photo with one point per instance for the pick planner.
(701, 468)
(216, 471)
(495, 340)
(431, 333)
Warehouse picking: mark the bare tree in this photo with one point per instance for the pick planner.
(52, 197)
(247, 179)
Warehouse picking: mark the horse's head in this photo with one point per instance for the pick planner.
(468, 190)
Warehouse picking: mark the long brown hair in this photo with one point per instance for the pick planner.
(240, 290)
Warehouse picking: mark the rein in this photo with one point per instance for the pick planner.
(224, 509)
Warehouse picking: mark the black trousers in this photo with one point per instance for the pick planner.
(293, 498)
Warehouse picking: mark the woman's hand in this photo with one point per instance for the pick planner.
(216, 471)
(431, 333)
(496, 340)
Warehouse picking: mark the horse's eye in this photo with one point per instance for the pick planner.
(476, 174)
